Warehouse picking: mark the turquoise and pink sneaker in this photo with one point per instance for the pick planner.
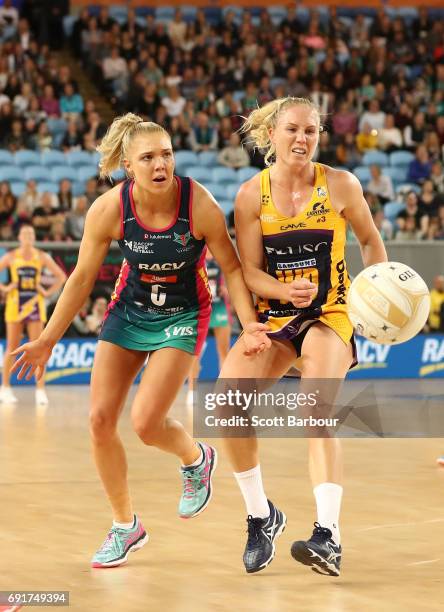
(197, 489)
(118, 545)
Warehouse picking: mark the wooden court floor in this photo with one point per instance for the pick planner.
(53, 516)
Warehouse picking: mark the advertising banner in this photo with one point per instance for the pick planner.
(423, 357)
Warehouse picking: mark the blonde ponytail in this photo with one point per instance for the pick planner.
(259, 122)
(115, 143)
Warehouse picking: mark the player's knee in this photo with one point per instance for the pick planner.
(310, 366)
(102, 426)
(148, 429)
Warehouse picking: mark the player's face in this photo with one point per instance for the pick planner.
(296, 135)
(151, 162)
(26, 236)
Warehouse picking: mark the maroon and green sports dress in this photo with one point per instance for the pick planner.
(162, 297)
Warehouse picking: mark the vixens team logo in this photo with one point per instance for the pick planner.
(182, 239)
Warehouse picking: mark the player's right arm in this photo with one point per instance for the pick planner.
(101, 227)
(250, 244)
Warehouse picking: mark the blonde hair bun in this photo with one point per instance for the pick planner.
(115, 143)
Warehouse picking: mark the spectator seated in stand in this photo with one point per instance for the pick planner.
(75, 219)
(389, 136)
(71, 103)
(380, 185)
(409, 231)
(203, 137)
(44, 216)
(411, 211)
(8, 204)
(234, 155)
(420, 167)
(367, 138)
(95, 319)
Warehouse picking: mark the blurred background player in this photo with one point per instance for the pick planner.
(436, 317)
(220, 321)
(25, 303)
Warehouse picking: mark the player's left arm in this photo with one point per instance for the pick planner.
(59, 275)
(345, 189)
(209, 224)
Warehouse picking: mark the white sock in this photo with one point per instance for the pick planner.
(123, 525)
(197, 462)
(328, 497)
(252, 489)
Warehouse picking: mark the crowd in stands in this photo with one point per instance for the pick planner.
(378, 80)
(42, 109)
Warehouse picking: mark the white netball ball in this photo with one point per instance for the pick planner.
(388, 303)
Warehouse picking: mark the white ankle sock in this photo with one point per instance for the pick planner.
(328, 497)
(252, 489)
(123, 525)
(197, 462)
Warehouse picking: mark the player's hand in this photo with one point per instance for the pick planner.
(255, 338)
(32, 360)
(301, 292)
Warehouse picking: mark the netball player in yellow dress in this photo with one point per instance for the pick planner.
(25, 302)
(291, 230)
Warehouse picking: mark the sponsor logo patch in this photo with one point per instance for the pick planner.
(152, 278)
(175, 330)
(157, 267)
(309, 247)
(318, 210)
(267, 218)
(293, 265)
(157, 236)
(139, 247)
(182, 239)
(292, 226)
(340, 269)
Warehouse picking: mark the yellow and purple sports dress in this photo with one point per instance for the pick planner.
(24, 303)
(309, 245)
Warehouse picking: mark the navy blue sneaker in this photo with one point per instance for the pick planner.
(262, 533)
(319, 552)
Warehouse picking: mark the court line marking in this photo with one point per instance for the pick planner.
(424, 562)
(389, 525)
